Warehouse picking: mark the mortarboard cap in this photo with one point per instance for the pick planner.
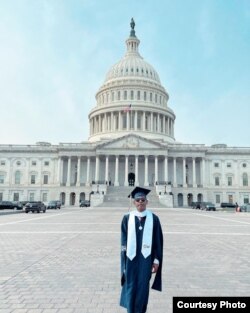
(139, 192)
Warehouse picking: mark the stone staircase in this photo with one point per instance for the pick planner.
(118, 197)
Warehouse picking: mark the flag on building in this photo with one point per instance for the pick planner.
(128, 108)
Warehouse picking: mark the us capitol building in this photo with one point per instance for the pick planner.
(131, 143)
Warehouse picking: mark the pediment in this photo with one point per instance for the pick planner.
(130, 142)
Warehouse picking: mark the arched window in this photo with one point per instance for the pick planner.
(138, 95)
(17, 177)
(125, 95)
(217, 181)
(245, 179)
(132, 95)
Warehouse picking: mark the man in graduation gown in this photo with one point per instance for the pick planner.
(141, 254)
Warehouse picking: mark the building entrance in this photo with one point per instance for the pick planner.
(131, 179)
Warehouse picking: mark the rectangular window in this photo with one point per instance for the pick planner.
(245, 180)
(230, 199)
(156, 98)
(32, 196)
(145, 95)
(151, 96)
(113, 96)
(17, 178)
(217, 181)
(33, 163)
(1, 196)
(216, 164)
(217, 198)
(16, 196)
(1, 179)
(46, 163)
(228, 164)
(125, 95)
(2, 163)
(119, 95)
(46, 179)
(44, 197)
(229, 181)
(33, 179)
(246, 199)
(138, 95)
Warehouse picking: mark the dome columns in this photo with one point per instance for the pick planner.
(106, 124)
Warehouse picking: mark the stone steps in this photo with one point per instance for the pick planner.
(118, 197)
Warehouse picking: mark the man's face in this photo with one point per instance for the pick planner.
(141, 203)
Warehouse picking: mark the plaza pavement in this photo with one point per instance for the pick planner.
(67, 261)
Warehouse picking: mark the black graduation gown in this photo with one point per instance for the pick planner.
(136, 274)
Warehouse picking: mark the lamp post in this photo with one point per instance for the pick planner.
(165, 189)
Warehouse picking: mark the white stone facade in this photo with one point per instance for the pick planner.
(131, 142)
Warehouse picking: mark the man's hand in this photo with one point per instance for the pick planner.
(155, 267)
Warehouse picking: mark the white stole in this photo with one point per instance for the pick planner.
(147, 234)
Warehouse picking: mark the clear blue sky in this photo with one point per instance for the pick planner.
(55, 54)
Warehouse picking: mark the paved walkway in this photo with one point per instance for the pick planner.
(67, 261)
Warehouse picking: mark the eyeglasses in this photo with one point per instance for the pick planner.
(140, 200)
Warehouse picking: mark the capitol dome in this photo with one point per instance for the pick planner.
(132, 100)
(132, 65)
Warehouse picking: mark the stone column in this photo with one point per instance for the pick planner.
(152, 122)
(127, 118)
(69, 172)
(158, 123)
(116, 183)
(146, 183)
(112, 122)
(143, 121)
(185, 199)
(203, 172)
(236, 173)
(136, 171)
(78, 181)
(184, 172)
(99, 123)
(59, 162)
(88, 170)
(107, 170)
(164, 124)
(167, 124)
(174, 172)
(97, 166)
(119, 120)
(194, 173)
(108, 122)
(166, 169)
(136, 116)
(126, 171)
(156, 169)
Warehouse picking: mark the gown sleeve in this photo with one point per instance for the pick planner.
(124, 228)
(158, 252)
